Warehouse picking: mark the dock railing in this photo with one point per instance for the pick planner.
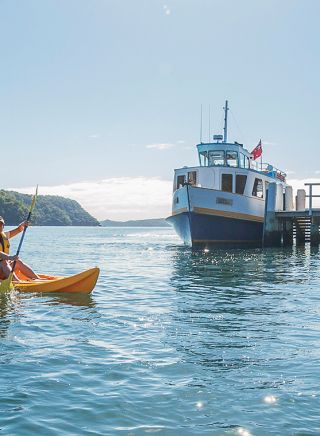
(311, 195)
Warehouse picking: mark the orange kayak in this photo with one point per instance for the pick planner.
(83, 283)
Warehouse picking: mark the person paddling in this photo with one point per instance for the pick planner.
(6, 260)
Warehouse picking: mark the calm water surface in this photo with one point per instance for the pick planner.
(171, 342)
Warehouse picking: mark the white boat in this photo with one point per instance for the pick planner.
(221, 201)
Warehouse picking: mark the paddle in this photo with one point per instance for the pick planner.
(7, 284)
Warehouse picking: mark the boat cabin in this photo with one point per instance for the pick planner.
(228, 167)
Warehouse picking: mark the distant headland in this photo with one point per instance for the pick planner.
(155, 222)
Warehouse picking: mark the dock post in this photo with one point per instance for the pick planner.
(288, 224)
(272, 226)
(314, 231)
(288, 196)
(301, 199)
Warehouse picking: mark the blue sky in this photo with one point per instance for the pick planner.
(97, 95)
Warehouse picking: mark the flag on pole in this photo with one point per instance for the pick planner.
(257, 151)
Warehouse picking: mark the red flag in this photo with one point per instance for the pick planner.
(257, 152)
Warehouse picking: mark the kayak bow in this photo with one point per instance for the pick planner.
(83, 282)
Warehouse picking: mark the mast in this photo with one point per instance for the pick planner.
(201, 125)
(225, 129)
(209, 130)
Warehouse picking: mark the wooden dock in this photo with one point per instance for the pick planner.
(283, 225)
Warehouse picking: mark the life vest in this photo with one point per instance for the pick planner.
(4, 243)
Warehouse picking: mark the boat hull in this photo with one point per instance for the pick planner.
(201, 230)
(83, 283)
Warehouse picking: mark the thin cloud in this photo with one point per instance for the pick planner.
(269, 143)
(121, 198)
(300, 184)
(125, 198)
(94, 136)
(161, 146)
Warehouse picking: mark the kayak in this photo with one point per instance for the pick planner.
(83, 282)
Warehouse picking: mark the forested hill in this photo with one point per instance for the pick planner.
(50, 210)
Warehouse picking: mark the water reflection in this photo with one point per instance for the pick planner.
(8, 301)
(240, 268)
(12, 302)
(231, 302)
(84, 300)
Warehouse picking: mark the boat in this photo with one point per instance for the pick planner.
(83, 283)
(221, 201)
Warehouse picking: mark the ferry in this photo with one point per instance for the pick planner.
(221, 201)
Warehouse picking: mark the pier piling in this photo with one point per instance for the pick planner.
(272, 226)
(314, 231)
(281, 227)
(287, 238)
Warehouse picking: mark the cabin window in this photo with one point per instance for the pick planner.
(216, 157)
(203, 158)
(246, 162)
(192, 178)
(241, 160)
(232, 158)
(226, 182)
(181, 181)
(240, 183)
(257, 190)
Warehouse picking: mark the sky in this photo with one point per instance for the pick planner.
(100, 99)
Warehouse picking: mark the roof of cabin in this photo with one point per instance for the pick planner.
(232, 146)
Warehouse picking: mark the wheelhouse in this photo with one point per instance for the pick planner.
(228, 167)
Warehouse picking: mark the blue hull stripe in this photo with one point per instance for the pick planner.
(194, 228)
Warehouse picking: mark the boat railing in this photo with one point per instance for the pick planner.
(271, 171)
(264, 168)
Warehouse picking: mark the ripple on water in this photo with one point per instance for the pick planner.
(172, 341)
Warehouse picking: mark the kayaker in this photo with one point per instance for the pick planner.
(6, 261)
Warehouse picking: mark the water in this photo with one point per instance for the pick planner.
(171, 342)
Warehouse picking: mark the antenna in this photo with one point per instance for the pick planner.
(201, 124)
(209, 130)
(225, 129)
